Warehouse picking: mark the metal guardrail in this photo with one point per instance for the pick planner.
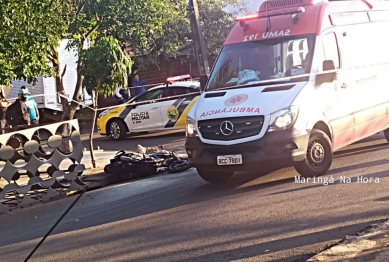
(33, 166)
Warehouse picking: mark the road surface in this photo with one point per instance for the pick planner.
(260, 216)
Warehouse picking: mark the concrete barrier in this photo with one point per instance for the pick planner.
(33, 166)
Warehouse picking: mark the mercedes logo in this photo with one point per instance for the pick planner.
(226, 128)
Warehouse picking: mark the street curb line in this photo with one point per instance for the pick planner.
(352, 246)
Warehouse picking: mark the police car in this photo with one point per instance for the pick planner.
(163, 107)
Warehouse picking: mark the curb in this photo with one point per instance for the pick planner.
(371, 244)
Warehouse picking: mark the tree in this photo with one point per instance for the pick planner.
(216, 22)
(32, 34)
(88, 19)
(105, 66)
(27, 35)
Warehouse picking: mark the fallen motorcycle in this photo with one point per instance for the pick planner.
(146, 163)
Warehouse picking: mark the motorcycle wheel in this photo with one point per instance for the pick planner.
(178, 166)
(119, 169)
(108, 169)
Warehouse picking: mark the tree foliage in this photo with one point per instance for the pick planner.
(28, 31)
(31, 31)
(92, 20)
(215, 21)
(105, 66)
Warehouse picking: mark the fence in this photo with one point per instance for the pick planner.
(34, 166)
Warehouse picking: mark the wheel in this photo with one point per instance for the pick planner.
(386, 133)
(117, 129)
(214, 176)
(318, 159)
(178, 166)
(108, 168)
(119, 168)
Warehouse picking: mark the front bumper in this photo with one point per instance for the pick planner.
(101, 127)
(269, 148)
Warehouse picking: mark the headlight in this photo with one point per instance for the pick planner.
(190, 130)
(283, 119)
(103, 113)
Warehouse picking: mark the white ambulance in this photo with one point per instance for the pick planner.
(293, 83)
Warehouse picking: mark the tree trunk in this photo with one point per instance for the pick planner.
(77, 90)
(92, 155)
(68, 110)
(66, 146)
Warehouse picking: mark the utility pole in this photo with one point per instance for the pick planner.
(199, 45)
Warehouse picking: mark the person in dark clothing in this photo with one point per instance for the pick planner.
(138, 85)
(17, 113)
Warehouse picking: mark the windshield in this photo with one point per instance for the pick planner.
(249, 62)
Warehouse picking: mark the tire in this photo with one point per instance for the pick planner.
(112, 169)
(386, 133)
(108, 168)
(318, 159)
(119, 169)
(117, 129)
(178, 166)
(214, 176)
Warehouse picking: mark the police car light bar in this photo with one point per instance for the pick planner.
(285, 11)
(176, 78)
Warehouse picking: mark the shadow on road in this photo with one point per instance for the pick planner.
(181, 194)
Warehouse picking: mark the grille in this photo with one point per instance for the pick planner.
(281, 3)
(242, 127)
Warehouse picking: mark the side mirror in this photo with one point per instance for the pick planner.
(203, 82)
(326, 77)
(328, 65)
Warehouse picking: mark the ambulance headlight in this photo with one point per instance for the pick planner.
(283, 119)
(190, 130)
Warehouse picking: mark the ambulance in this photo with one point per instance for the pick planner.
(294, 82)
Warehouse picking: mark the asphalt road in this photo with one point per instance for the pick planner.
(258, 216)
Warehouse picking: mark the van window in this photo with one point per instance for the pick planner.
(177, 90)
(365, 45)
(149, 95)
(262, 60)
(330, 47)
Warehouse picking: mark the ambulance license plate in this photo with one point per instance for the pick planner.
(229, 160)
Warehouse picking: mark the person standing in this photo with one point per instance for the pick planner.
(4, 103)
(122, 94)
(138, 85)
(32, 107)
(16, 113)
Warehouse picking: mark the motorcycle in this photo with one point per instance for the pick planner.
(146, 163)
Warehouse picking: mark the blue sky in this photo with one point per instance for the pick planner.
(253, 5)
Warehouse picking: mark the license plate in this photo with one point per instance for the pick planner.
(229, 160)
